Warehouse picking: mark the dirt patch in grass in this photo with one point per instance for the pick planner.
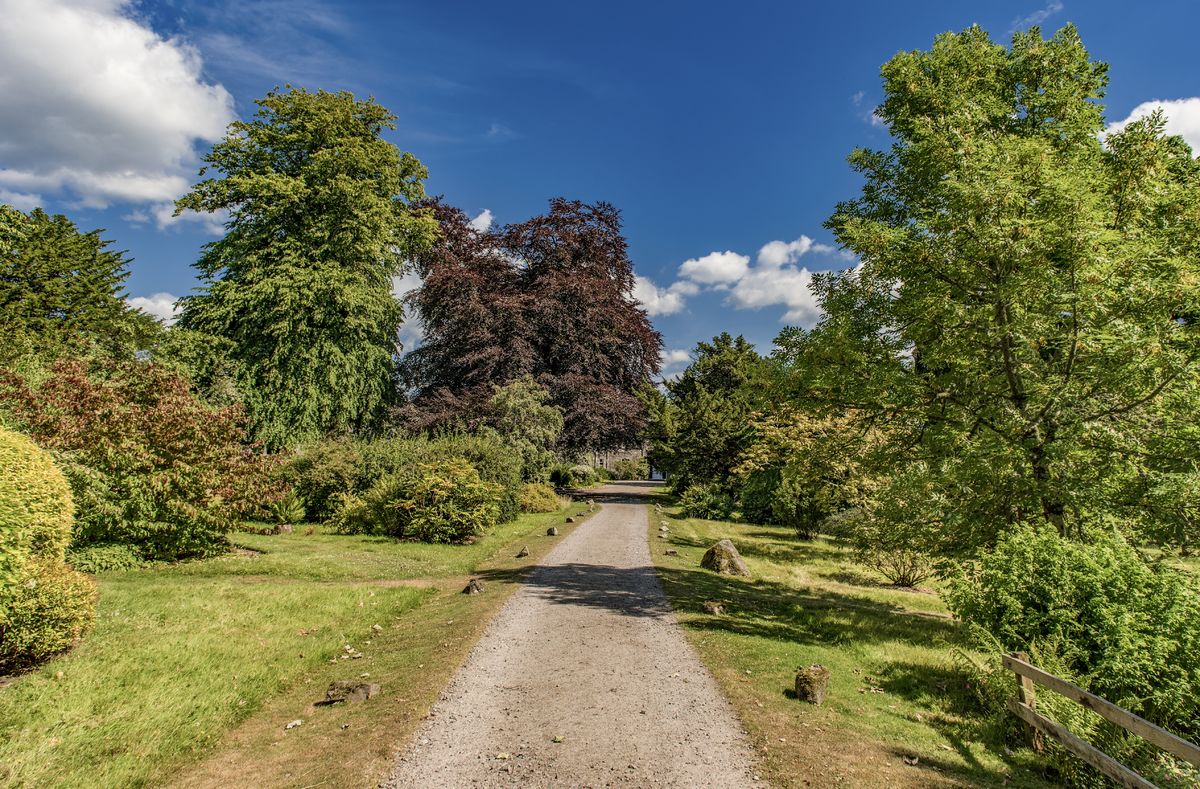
(898, 713)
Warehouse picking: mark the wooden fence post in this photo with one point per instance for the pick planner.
(1027, 695)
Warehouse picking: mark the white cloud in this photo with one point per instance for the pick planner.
(1038, 17)
(715, 268)
(163, 306)
(673, 362)
(662, 301)
(1183, 118)
(98, 106)
(20, 200)
(483, 221)
(767, 285)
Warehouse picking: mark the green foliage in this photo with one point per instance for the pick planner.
(319, 470)
(289, 509)
(443, 501)
(999, 241)
(522, 415)
(583, 475)
(700, 427)
(602, 474)
(539, 497)
(320, 220)
(487, 452)
(103, 558)
(794, 506)
(630, 468)
(60, 287)
(49, 609)
(205, 360)
(35, 507)
(757, 493)
(1097, 613)
(706, 501)
(149, 464)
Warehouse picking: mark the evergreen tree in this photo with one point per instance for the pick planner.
(320, 221)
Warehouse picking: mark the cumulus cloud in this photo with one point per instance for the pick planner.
(483, 221)
(1183, 118)
(98, 106)
(20, 200)
(672, 362)
(163, 306)
(764, 286)
(715, 268)
(662, 301)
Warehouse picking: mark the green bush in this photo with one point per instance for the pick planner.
(792, 505)
(51, 607)
(536, 497)
(584, 476)
(443, 501)
(103, 558)
(149, 463)
(757, 493)
(1100, 615)
(35, 506)
(289, 509)
(560, 477)
(629, 468)
(706, 501)
(602, 474)
(321, 469)
(487, 452)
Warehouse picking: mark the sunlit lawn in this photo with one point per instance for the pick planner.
(182, 654)
(895, 693)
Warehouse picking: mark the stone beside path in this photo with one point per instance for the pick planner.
(583, 679)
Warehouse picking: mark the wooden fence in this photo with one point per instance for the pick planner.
(1024, 706)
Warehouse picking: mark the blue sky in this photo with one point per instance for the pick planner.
(717, 128)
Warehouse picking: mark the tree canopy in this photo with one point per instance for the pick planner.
(321, 219)
(551, 298)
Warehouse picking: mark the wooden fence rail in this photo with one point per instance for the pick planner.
(1024, 706)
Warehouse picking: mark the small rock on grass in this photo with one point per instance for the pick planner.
(812, 684)
(670, 552)
(473, 587)
(713, 607)
(294, 724)
(343, 690)
(552, 531)
(570, 519)
(521, 554)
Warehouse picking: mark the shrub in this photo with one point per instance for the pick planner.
(103, 558)
(149, 464)
(289, 509)
(756, 494)
(630, 468)
(794, 505)
(602, 474)
(493, 459)
(1098, 614)
(35, 506)
(443, 501)
(706, 501)
(536, 497)
(584, 476)
(560, 477)
(318, 470)
(51, 607)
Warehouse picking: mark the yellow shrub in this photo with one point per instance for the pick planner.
(49, 609)
(536, 497)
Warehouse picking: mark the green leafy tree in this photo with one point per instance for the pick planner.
(60, 287)
(701, 426)
(1023, 318)
(524, 418)
(320, 221)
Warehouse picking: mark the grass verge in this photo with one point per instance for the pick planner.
(898, 713)
(194, 669)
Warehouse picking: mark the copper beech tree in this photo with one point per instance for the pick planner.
(551, 298)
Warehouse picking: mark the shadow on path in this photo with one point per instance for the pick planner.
(631, 591)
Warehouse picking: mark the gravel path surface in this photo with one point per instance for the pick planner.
(583, 679)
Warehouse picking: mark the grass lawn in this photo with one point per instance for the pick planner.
(194, 669)
(894, 693)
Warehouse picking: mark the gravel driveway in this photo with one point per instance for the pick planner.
(583, 679)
